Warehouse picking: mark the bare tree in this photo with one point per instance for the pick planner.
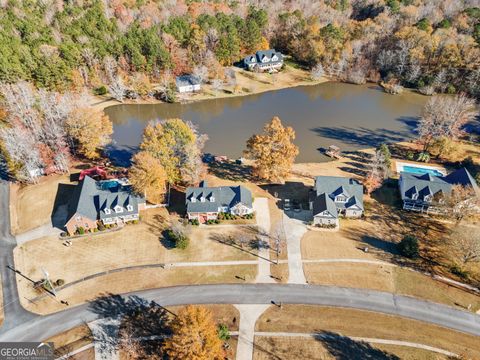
(462, 202)
(201, 72)
(445, 117)
(464, 242)
(217, 85)
(317, 72)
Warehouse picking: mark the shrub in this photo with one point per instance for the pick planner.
(101, 227)
(410, 155)
(223, 333)
(59, 282)
(457, 270)
(408, 247)
(80, 230)
(101, 90)
(195, 222)
(180, 239)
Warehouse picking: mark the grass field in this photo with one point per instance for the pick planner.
(281, 348)
(140, 279)
(359, 323)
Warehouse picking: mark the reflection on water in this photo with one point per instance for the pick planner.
(349, 116)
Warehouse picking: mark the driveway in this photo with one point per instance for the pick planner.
(262, 211)
(42, 327)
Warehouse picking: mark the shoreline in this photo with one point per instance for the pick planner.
(257, 83)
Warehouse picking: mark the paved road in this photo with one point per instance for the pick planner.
(42, 327)
(14, 312)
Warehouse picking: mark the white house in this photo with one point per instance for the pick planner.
(187, 83)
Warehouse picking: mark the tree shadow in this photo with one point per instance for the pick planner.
(177, 201)
(411, 122)
(120, 155)
(129, 316)
(252, 241)
(345, 348)
(231, 171)
(362, 136)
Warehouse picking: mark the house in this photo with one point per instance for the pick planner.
(333, 196)
(264, 60)
(205, 203)
(107, 201)
(427, 192)
(187, 83)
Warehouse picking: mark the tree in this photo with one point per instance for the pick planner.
(445, 116)
(194, 336)
(317, 72)
(273, 152)
(464, 243)
(89, 130)
(148, 177)
(408, 246)
(178, 147)
(462, 202)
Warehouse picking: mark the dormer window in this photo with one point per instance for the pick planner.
(274, 58)
(414, 196)
(428, 198)
(212, 198)
(108, 211)
(129, 208)
(202, 199)
(118, 209)
(340, 198)
(193, 199)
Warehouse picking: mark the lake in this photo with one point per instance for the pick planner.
(349, 116)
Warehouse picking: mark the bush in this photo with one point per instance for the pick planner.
(408, 247)
(101, 90)
(101, 227)
(410, 155)
(59, 282)
(223, 333)
(80, 231)
(195, 222)
(457, 270)
(181, 240)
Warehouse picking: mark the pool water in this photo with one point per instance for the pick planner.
(420, 171)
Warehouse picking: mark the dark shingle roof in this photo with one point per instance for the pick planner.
(336, 185)
(215, 197)
(322, 203)
(91, 198)
(187, 80)
(428, 184)
(259, 55)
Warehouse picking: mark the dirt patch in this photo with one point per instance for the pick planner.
(360, 323)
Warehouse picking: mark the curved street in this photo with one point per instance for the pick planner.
(41, 327)
(21, 325)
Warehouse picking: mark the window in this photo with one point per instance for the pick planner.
(129, 208)
(118, 209)
(212, 198)
(78, 218)
(340, 198)
(202, 199)
(193, 199)
(108, 211)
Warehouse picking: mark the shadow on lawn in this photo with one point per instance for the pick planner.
(134, 317)
(231, 171)
(345, 348)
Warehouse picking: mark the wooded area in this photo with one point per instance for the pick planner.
(430, 45)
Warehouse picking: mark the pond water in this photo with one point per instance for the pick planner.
(349, 116)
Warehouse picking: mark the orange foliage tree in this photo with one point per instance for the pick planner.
(195, 336)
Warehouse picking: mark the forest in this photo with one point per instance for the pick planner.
(431, 45)
(54, 55)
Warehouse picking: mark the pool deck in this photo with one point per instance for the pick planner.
(398, 166)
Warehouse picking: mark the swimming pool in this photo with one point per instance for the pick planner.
(421, 170)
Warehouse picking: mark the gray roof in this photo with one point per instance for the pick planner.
(259, 55)
(336, 185)
(428, 184)
(187, 80)
(91, 198)
(215, 197)
(323, 202)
